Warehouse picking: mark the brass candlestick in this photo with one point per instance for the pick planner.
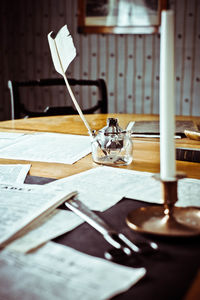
(167, 219)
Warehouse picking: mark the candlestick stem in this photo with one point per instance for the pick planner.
(169, 195)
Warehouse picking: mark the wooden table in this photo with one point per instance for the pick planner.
(145, 151)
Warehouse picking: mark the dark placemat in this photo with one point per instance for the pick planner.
(37, 180)
(152, 127)
(169, 275)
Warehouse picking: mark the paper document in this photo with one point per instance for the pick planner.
(99, 188)
(59, 272)
(49, 147)
(10, 135)
(20, 205)
(53, 225)
(13, 173)
(102, 187)
(7, 138)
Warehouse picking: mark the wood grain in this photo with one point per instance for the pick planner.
(145, 151)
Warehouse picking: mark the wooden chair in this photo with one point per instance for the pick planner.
(19, 109)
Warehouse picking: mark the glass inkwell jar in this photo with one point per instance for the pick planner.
(112, 145)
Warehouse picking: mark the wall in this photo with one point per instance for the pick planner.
(128, 63)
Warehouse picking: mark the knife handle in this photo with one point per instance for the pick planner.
(90, 217)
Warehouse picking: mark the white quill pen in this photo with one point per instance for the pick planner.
(63, 52)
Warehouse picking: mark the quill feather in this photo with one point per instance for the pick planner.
(63, 52)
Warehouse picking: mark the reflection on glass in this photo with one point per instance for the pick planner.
(122, 12)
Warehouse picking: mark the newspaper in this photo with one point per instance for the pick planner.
(59, 272)
(102, 187)
(48, 147)
(21, 205)
(13, 173)
(8, 138)
(53, 225)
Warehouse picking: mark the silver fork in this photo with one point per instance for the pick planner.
(116, 239)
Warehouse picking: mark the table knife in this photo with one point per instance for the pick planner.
(117, 240)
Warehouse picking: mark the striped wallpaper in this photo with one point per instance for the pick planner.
(128, 63)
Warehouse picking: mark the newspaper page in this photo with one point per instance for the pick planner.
(20, 205)
(49, 147)
(8, 138)
(58, 272)
(102, 187)
(13, 173)
(53, 225)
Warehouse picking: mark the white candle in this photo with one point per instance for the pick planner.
(167, 105)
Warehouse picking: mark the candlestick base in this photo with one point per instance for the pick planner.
(151, 219)
(166, 220)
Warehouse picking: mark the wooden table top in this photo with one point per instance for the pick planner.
(145, 150)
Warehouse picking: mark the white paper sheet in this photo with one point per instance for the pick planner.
(52, 226)
(98, 188)
(13, 173)
(59, 272)
(49, 147)
(21, 204)
(7, 138)
(102, 187)
(10, 135)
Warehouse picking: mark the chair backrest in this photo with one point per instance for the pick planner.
(19, 110)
